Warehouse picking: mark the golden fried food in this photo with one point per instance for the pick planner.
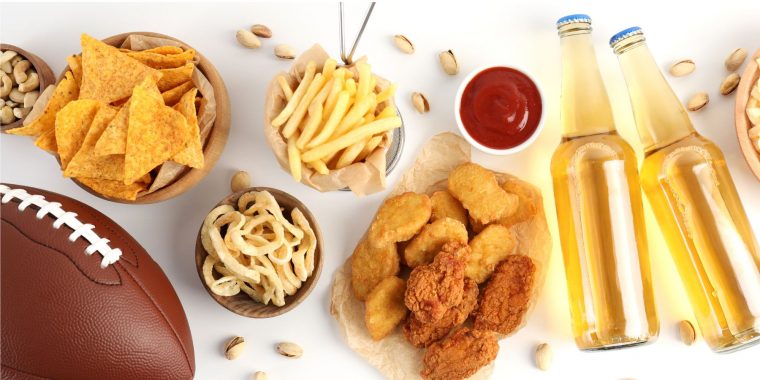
(429, 241)
(476, 226)
(530, 202)
(436, 287)
(489, 248)
(371, 265)
(399, 219)
(385, 307)
(424, 334)
(460, 355)
(479, 192)
(446, 206)
(505, 299)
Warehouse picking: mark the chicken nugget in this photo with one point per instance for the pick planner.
(399, 219)
(460, 355)
(385, 308)
(436, 287)
(446, 206)
(371, 265)
(476, 226)
(424, 334)
(479, 192)
(429, 241)
(489, 248)
(530, 201)
(505, 299)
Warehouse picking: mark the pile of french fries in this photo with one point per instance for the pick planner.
(333, 120)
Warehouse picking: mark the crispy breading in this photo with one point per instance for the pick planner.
(436, 287)
(446, 206)
(385, 308)
(505, 299)
(479, 192)
(431, 238)
(460, 355)
(423, 334)
(399, 219)
(530, 201)
(489, 248)
(476, 226)
(371, 265)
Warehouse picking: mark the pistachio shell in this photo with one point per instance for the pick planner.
(729, 84)
(544, 356)
(686, 332)
(289, 349)
(420, 102)
(682, 68)
(284, 52)
(247, 39)
(449, 62)
(698, 101)
(261, 30)
(234, 348)
(735, 59)
(403, 43)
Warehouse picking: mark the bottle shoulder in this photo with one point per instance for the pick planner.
(694, 144)
(608, 146)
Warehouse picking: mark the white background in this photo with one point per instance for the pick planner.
(480, 33)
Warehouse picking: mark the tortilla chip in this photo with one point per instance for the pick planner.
(163, 61)
(113, 140)
(155, 134)
(172, 96)
(108, 74)
(159, 50)
(114, 189)
(75, 64)
(65, 92)
(86, 163)
(71, 126)
(192, 155)
(174, 77)
(46, 141)
(120, 103)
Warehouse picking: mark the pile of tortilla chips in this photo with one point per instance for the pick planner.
(119, 114)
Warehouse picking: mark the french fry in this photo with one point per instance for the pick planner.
(369, 148)
(285, 87)
(294, 159)
(295, 119)
(351, 153)
(319, 166)
(341, 107)
(278, 121)
(351, 137)
(387, 112)
(387, 93)
(353, 116)
(351, 86)
(329, 68)
(312, 123)
(332, 98)
(365, 77)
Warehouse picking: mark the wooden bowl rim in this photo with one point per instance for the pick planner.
(44, 73)
(215, 143)
(742, 123)
(265, 311)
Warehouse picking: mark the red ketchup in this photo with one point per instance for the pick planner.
(500, 107)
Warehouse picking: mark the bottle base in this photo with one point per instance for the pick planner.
(617, 345)
(745, 339)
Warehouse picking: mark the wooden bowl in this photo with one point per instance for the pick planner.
(242, 304)
(215, 142)
(750, 76)
(43, 72)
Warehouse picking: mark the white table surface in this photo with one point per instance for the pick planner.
(480, 33)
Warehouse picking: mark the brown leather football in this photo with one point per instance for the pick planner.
(81, 299)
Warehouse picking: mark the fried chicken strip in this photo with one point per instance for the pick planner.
(436, 287)
(424, 334)
(505, 299)
(460, 355)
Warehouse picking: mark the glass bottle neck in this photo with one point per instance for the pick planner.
(660, 117)
(586, 108)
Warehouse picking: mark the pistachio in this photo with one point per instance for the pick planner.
(289, 349)
(403, 44)
(234, 348)
(6, 115)
(544, 356)
(729, 84)
(261, 30)
(449, 62)
(247, 39)
(698, 101)
(735, 59)
(686, 332)
(20, 112)
(284, 52)
(420, 102)
(682, 68)
(240, 180)
(260, 375)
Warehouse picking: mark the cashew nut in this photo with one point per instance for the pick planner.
(20, 112)
(7, 55)
(6, 115)
(17, 96)
(32, 83)
(6, 67)
(16, 60)
(7, 86)
(11, 103)
(19, 71)
(30, 97)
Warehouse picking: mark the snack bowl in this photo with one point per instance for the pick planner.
(474, 142)
(241, 303)
(43, 71)
(749, 78)
(215, 142)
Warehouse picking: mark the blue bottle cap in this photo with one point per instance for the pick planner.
(569, 19)
(625, 33)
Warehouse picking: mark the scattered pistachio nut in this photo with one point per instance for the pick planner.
(698, 101)
(544, 356)
(289, 349)
(729, 84)
(449, 62)
(234, 348)
(735, 59)
(420, 102)
(247, 39)
(6, 115)
(284, 52)
(261, 30)
(403, 43)
(682, 68)
(240, 180)
(260, 375)
(686, 332)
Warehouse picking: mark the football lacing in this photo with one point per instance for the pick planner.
(97, 244)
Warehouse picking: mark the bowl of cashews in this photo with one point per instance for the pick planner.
(259, 252)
